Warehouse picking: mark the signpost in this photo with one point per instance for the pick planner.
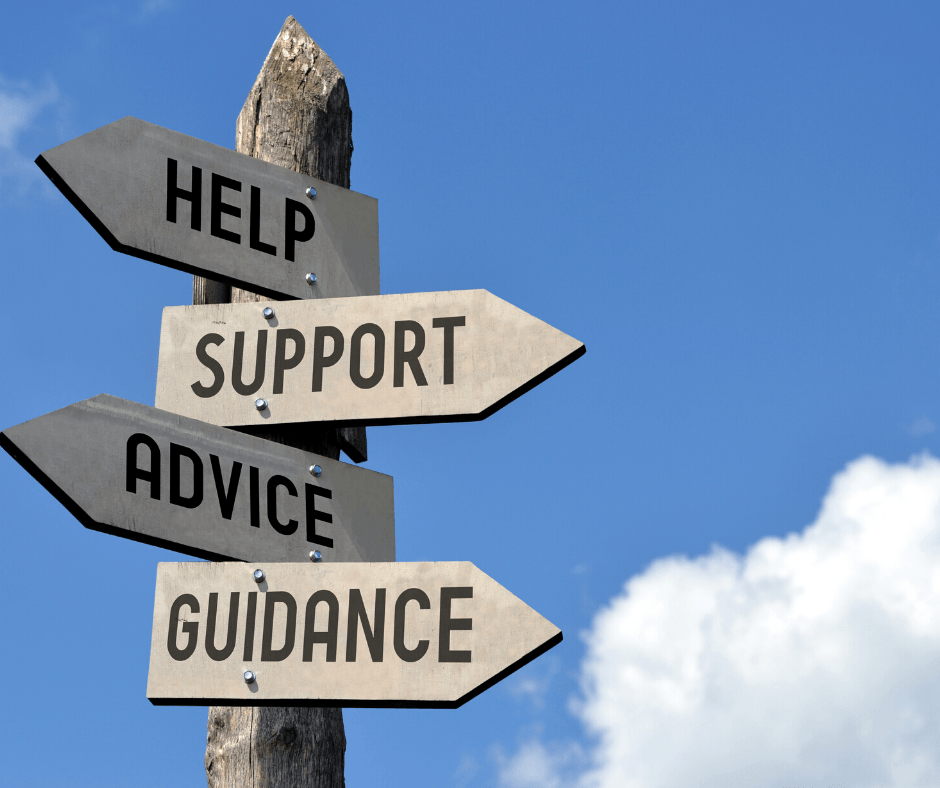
(155, 477)
(351, 628)
(394, 359)
(178, 201)
(379, 635)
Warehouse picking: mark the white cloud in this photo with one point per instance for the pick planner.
(812, 660)
(21, 104)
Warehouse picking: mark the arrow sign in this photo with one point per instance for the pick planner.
(178, 201)
(392, 635)
(155, 477)
(391, 359)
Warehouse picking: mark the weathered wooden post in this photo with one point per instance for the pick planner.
(297, 115)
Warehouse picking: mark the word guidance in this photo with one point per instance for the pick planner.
(391, 359)
(181, 202)
(155, 477)
(382, 634)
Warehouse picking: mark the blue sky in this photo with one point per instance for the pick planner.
(733, 205)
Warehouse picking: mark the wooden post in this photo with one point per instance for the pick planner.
(297, 115)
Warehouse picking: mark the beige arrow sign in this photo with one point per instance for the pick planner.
(361, 634)
(188, 204)
(392, 359)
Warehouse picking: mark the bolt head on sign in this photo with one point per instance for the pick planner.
(392, 359)
(355, 634)
(191, 205)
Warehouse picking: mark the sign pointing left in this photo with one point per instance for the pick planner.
(144, 474)
(187, 204)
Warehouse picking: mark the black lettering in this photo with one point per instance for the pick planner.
(254, 219)
(410, 356)
(321, 361)
(249, 651)
(375, 636)
(219, 654)
(273, 483)
(226, 497)
(328, 637)
(313, 514)
(271, 598)
(281, 362)
(292, 235)
(133, 473)
(448, 324)
(176, 495)
(254, 496)
(405, 653)
(261, 353)
(174, 193)
(217, 208)
(448, 624)
(355, 373)
(211, 364)
(189, 628)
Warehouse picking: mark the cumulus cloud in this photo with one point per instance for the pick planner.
(812, 660)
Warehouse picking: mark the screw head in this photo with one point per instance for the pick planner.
(261, 404)
(315, 470)
(311, 279)
(258, 575)
(312, 193)
(315, 556)
(249, 677)
(268, 313)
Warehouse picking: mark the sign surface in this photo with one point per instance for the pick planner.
(178, 201)
(382, 634)
(155, 477)
(392, 359)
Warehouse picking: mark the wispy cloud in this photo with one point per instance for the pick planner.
(152, 7)
(22, 106)
(538, 765)
(921, 426)
(533, 686)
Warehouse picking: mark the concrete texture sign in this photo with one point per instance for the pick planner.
(155, 477)
(181, 202)
(380, 634)
(391, 359)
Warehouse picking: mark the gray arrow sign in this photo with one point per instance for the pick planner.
(178, 201)
(392, 359)
(379, 635)
(155, 477)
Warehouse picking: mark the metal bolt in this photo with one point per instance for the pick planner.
(268, 313)
(311, 279)
(315, 556)
(261, 404)
(315, 470)
(249, 677)
(258, 575)
(312, 193)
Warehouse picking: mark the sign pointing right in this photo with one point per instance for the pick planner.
(393, 359)
(354, 634)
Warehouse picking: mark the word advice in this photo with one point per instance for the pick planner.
(180, 475)
(312, 628)
(225, 201)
